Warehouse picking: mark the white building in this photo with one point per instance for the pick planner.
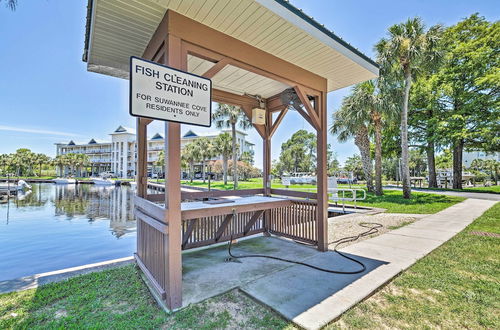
(120, 154)
(469, 156)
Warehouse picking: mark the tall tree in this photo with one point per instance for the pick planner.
(223, 146)
(231, 116)
(351, 121)
(374, 106)
(11, 4)
(470, 81)
(408, 48)
(190, 156)
(40, 160)
(298, 154)
(203, 150)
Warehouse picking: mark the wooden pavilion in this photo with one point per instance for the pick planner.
(264, 48)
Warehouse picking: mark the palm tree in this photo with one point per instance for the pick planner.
(408, 48)
(229, 116)
(203, 150)
(375, 105)
(160, 162)
(81, 161)
(41, 159)
(223, 146)
(351, 121)
(60, 161)
(5, 161)
(11, 4)
(190, 156)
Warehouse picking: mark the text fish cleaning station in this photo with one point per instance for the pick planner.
(264, 56)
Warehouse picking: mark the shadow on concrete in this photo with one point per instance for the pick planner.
(287, 288)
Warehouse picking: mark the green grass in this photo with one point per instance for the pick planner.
(419, 203)
(118, 299)
(489, 190)
(456, 286)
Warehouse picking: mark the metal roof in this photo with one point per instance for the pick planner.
(118, 29)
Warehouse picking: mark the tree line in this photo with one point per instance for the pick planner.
(24, 162)
(438, 88)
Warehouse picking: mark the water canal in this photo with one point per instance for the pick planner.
(59, 226)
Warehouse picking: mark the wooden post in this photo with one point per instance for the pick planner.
(321, 172)
(142, 158)
(266, 139)
(173, 243)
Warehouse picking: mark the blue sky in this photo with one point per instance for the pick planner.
(47, 96)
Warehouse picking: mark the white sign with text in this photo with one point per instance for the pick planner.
(163, 93)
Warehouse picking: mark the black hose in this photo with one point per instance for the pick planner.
(371, 230)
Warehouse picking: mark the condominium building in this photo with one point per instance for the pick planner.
(120, 154)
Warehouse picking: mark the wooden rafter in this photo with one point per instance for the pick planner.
(278, 120)
(217, 68)
(313, 115)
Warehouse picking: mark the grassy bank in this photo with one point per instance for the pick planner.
(456, 286)
(118, 299)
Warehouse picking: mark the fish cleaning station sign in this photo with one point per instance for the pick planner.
(160, 92)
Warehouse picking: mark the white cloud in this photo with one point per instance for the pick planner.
(35, 131)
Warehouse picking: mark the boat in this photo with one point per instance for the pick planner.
(23, 185)
(103, 182)
(64, 181)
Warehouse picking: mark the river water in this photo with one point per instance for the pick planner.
(60, 226)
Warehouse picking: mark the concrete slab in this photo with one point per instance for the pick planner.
(207, 274)
(297, 289)
(437, 235)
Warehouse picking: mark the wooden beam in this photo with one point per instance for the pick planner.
(278, 121)
(223, 226)
(189, 231)
(217, 68)
(308, 106)
(305, 116)
(142, 154)
(321, 175)
(173, 244)
(252, 221)
(233, 99)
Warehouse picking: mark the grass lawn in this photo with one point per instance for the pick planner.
(419, 203)
(490, 190)
(118, 299)
(456, 286)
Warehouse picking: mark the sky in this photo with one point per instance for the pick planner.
(47, 95)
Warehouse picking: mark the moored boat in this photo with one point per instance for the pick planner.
(103, 182)
(64, 181)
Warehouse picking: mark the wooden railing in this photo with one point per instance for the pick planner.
(152, 232)
(290, 217)
(297, 221)
(220, 228)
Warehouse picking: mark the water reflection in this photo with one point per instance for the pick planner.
(59, 226)
(114, 204)
(97, 202)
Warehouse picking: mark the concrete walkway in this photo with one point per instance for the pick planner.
(312, 299)
(474, 195)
